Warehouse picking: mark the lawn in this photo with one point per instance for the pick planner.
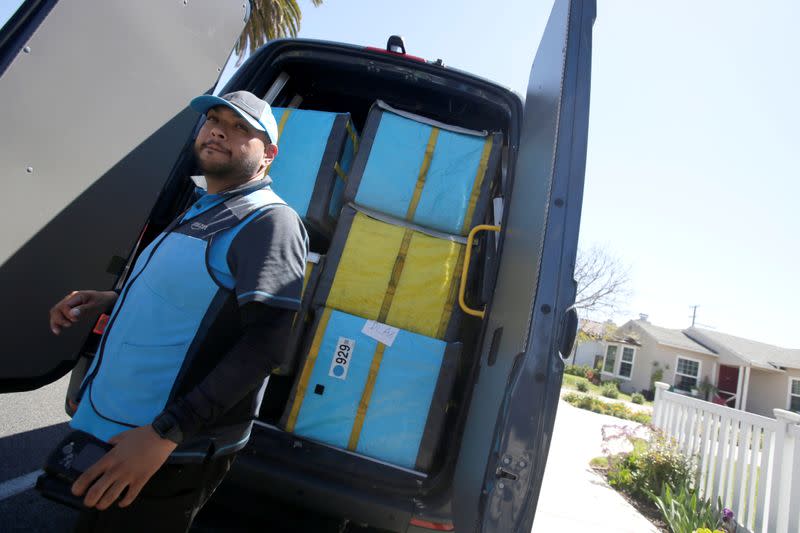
(570, 382)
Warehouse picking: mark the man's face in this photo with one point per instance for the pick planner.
(228, 147)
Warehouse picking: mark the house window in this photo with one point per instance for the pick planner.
(794, 395)
(626, 363)
(619, 366)
(687, 374)
(611, 357)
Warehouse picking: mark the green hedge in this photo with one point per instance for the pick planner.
(596, 405)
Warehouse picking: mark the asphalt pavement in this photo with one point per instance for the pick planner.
(32, 423)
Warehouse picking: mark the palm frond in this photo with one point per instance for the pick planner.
(270, 19)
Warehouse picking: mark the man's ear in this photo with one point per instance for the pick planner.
(270, 152)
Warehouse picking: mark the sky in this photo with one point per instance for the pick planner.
(693, 165)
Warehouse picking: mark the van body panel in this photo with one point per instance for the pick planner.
(509, 429)
(96, 99)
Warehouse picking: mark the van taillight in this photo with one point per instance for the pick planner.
(102, 322)
(396, 54)
(433, 526)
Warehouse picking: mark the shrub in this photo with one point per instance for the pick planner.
(656, 375)
(582, 386)
(599, 462)
(587, 402)
(685, 511)
(571, 397)
(637, 398)
(641, 417)
(651, 465)
(577, 370)
(593, 376)
(610, 390)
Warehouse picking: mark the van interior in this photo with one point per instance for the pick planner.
(339, 79)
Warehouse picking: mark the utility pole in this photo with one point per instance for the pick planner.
(694, 313)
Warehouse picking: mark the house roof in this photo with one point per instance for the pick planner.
(756, 353)
(672, 337)
(593, 328)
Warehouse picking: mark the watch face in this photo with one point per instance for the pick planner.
(174, 434)
(167, 428)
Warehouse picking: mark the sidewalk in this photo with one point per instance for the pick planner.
(573, 497)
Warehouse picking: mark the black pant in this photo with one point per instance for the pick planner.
(167, 503)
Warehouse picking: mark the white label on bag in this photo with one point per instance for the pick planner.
(380, 332)
(340, 362)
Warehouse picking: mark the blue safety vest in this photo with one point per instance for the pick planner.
(161, 322)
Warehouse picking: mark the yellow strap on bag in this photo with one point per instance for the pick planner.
(476, 186)
(339, 172)
(394, 279)
(353, 136)
(281, 125)
(366, 395)
(308, 367)
(423, 174)
(452, 297)
(441, 325)
(400, 260)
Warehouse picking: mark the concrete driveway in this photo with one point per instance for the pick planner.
(573, 496)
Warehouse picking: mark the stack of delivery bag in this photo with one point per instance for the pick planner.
(379, 357)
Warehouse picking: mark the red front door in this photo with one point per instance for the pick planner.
(727, 382)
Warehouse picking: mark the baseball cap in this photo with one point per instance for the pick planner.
(251, 108)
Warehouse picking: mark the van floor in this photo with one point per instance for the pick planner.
(225, 513)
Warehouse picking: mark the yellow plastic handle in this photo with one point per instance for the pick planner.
(462, 288)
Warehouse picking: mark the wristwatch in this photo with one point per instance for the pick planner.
(167, 427)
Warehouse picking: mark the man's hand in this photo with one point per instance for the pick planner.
(76, 304)
(137, 455)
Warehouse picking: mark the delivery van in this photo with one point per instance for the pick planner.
(443, 211)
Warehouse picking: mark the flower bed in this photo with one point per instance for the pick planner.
(651, 472)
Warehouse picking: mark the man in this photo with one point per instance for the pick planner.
(200, 323)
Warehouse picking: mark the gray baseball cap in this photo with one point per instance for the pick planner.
(251, 108)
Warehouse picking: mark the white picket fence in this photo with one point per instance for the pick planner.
(752, 462)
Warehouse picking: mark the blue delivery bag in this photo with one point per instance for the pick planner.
(316, 151)
(431, 174)
(386, 402)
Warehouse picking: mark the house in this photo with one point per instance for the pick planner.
(590, 346)
(730, 370)
(759, 376)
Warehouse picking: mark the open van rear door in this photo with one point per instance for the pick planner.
(510, 422)
(93, 100)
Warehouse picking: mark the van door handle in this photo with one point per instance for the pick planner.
(568, 333)
(465, 270)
